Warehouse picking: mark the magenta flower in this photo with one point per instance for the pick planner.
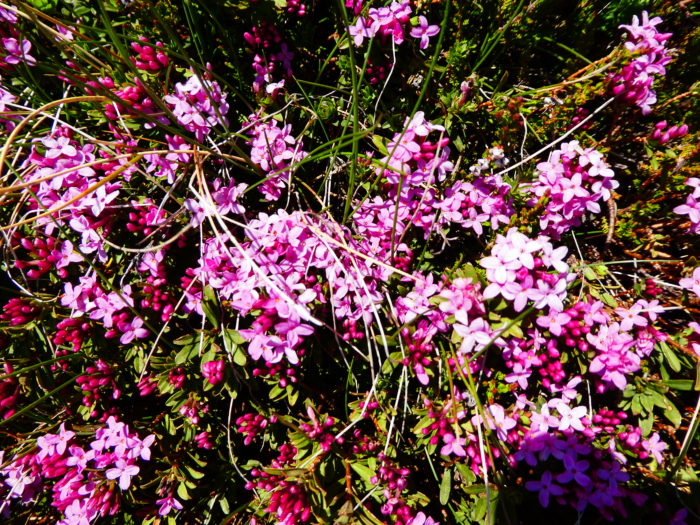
(571, 417)
(453, 445)
(692, 283)
(655, 447)
(124, 471)
(213, 371)
(545, 487)
(167, 504)
(422, 519)
(17, 52)
(132, 330)
(424, 31)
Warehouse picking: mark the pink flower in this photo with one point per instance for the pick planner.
(655, 447)
(497, 420)
(453, 445)
(167, 504)
(422, 519)
(631, 317)
(424, 31)
(17, 53)
(361, 30)
(692, 283)
(554, 321)
(213, 371)
(131, 331)
(571, 417)
(140, 448)
(124, 471)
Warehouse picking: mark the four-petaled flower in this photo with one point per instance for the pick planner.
(453, 445)
(545, 487)
(424, 31)
(123, 470)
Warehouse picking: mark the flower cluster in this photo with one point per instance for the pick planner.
(633, 84)
(198, 105)
(521, 269)
(373, 334)
(572, 182)
(9, 392)
(390, 23)
(485, 200)
(83, 481)
(267, 63)
(277, 152)
(149, 57)
(662, 133)
(411, 168)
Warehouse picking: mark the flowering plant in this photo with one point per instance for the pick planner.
(361, 262)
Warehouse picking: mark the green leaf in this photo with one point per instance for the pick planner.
(670, 356)
(232, 342)
(194, 473)
(673, 415)
(647, 402)
(609, 300)
(636, 406)
(445, 487)
(679, 384)
(378, 142)
(235, 337)
(646, 424)
(292, 395)
(364, 472)
(186, 354)
(210, 306)
(588, 273)
(182, 492)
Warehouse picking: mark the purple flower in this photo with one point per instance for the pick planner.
(424, 31)
(167, 504)
(132, 330)
(575, 470)
(453, 445)
(422, 519)
(17, 53)
(545, 487)
(655, 447)
(571, 417)
(123, 470)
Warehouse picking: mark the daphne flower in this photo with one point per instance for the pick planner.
(124, 471)
(424, 31)
(167, 504)
(453, 445)
(571, 417)
(545, 487)
(361, 30)
(422, 519)
(655, 447)
(692, 283)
